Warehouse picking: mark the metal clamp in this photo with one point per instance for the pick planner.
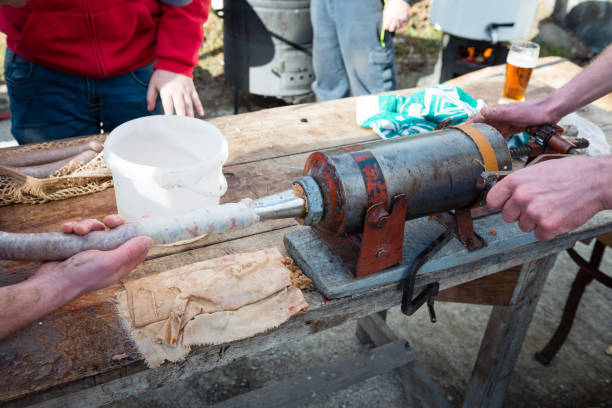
(410, 305)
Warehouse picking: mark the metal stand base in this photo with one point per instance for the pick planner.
(587, 272)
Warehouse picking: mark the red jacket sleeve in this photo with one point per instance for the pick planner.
(179, 36)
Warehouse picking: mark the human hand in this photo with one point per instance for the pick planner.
(555, 196)
(515, 117)
(395, 15)
(92, 270)
(177, 93)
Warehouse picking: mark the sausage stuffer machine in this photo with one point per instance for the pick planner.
(357, 198)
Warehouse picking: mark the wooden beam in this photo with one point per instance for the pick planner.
(419, 387)
(326, 380)
(362, 336)
(75, 371)
(504, 337)
(493, 290)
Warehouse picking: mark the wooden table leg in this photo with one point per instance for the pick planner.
(419, 387)
(504, 337)
(362, 335)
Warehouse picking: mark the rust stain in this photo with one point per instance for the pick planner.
(319, 167)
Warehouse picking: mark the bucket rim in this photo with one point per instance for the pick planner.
(118, 163)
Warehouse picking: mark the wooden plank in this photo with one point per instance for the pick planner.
(317, 383)
(321, 315)
(271, 133)
(246, 180)
(362, 336)
(419, 387)
(80, 339)
(492, 290)
(293, 129)
(334, 281)
(376, 330)
(504, 337)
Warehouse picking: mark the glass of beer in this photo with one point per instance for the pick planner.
(522, 58)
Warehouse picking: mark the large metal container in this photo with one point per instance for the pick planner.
(437, 170)
(268, 46)
(484, 19)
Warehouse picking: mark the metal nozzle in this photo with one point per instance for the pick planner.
(280, 205)
(303, 202)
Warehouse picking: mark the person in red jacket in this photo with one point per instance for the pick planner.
(77, 67)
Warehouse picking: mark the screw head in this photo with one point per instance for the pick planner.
(381, 253)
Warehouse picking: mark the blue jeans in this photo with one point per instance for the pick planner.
(47, 104)
(347, 55)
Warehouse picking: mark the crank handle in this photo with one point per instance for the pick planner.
(486, 181)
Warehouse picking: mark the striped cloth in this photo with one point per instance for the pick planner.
(393, 115)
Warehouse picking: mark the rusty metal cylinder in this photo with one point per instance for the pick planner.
(436, 170)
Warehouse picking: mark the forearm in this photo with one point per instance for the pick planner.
(27, 302)
(592, 83)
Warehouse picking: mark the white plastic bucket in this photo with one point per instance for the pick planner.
(166, 165)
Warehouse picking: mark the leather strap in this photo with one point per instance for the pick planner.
(482, 143)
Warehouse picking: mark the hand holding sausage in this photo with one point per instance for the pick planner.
(92, 270)
(57, 283)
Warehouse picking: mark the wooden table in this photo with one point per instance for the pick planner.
(80, 355)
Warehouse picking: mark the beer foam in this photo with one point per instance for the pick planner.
(522, 60)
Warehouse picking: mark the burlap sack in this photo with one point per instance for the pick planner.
(67, 182)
